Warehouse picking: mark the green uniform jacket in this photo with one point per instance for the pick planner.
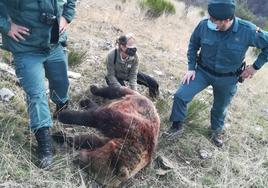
(127, 70)
(224, 52)
(27, 13)
(67, 10)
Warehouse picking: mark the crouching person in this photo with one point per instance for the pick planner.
(123, 65)
(33, 39)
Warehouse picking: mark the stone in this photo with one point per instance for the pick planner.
(74, 75)
(6, 94)
(205, 154)
(164, 163)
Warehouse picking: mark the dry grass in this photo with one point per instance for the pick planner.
(162, 45)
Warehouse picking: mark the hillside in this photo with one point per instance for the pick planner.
(258, 7)
(162, 46)
(255, 10)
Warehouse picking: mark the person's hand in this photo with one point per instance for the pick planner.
(248, 72)
(16, 32)
(189, 75)
(63, 24)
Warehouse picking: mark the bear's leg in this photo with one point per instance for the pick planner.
(75, 117)
(110, 92)
(85, 141)
(88, 104)
(110, 122)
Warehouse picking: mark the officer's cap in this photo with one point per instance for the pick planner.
(221, 9)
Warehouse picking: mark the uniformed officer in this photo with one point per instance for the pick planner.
(123, 65)
(30, 31)
(223, 40)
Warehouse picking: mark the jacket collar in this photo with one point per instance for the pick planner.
(235, 27)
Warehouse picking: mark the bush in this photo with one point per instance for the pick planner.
(76, 57)
(242, 11)
(157, 7)
(197, 111)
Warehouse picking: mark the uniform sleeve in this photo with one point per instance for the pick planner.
(194, 46)
(4, 18)
(133, 74)
(260, 41)
(111, 71)
(69, 10)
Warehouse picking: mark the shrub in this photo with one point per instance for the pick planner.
(242, 11)
(76, 57)
(6, 57)
(196, 112)
(157, 7)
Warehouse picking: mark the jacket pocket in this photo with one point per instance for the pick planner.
(208, 48)
(234, 53)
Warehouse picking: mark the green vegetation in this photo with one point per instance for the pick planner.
(76, 57)
(5, 56)
(196, 112)
(157, 7)
(242, 11)
(207, 180)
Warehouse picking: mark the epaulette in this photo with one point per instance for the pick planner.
(249, 25)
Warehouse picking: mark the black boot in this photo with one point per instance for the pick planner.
(217, 138)
(175, 130)
(60, 107)
(44, 151)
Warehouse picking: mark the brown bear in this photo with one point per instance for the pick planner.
(130, 124)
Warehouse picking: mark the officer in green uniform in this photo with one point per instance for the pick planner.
(223, 40)
(31, 31)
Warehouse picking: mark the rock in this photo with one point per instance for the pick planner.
(161, 172)
(265, 111)
(164, 163)
(6, 94)
(106, 45)
(204, 154)
(6, 68)
(258, 128)
(159, 73)
(74, 75)
(209, 90)
(227, 125)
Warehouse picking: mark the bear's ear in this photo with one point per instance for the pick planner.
(123, 173)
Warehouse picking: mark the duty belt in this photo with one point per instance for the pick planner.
(218, 74)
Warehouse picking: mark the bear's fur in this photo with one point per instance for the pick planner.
(130, 124)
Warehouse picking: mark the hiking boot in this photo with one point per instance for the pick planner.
(175, 131)
(217, 138)
(44, 149)
(60, 107)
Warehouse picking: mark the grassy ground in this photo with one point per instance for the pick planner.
(162, 45)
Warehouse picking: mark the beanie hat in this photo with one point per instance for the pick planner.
(221, 9)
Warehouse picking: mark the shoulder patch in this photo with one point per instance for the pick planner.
(247, 24)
